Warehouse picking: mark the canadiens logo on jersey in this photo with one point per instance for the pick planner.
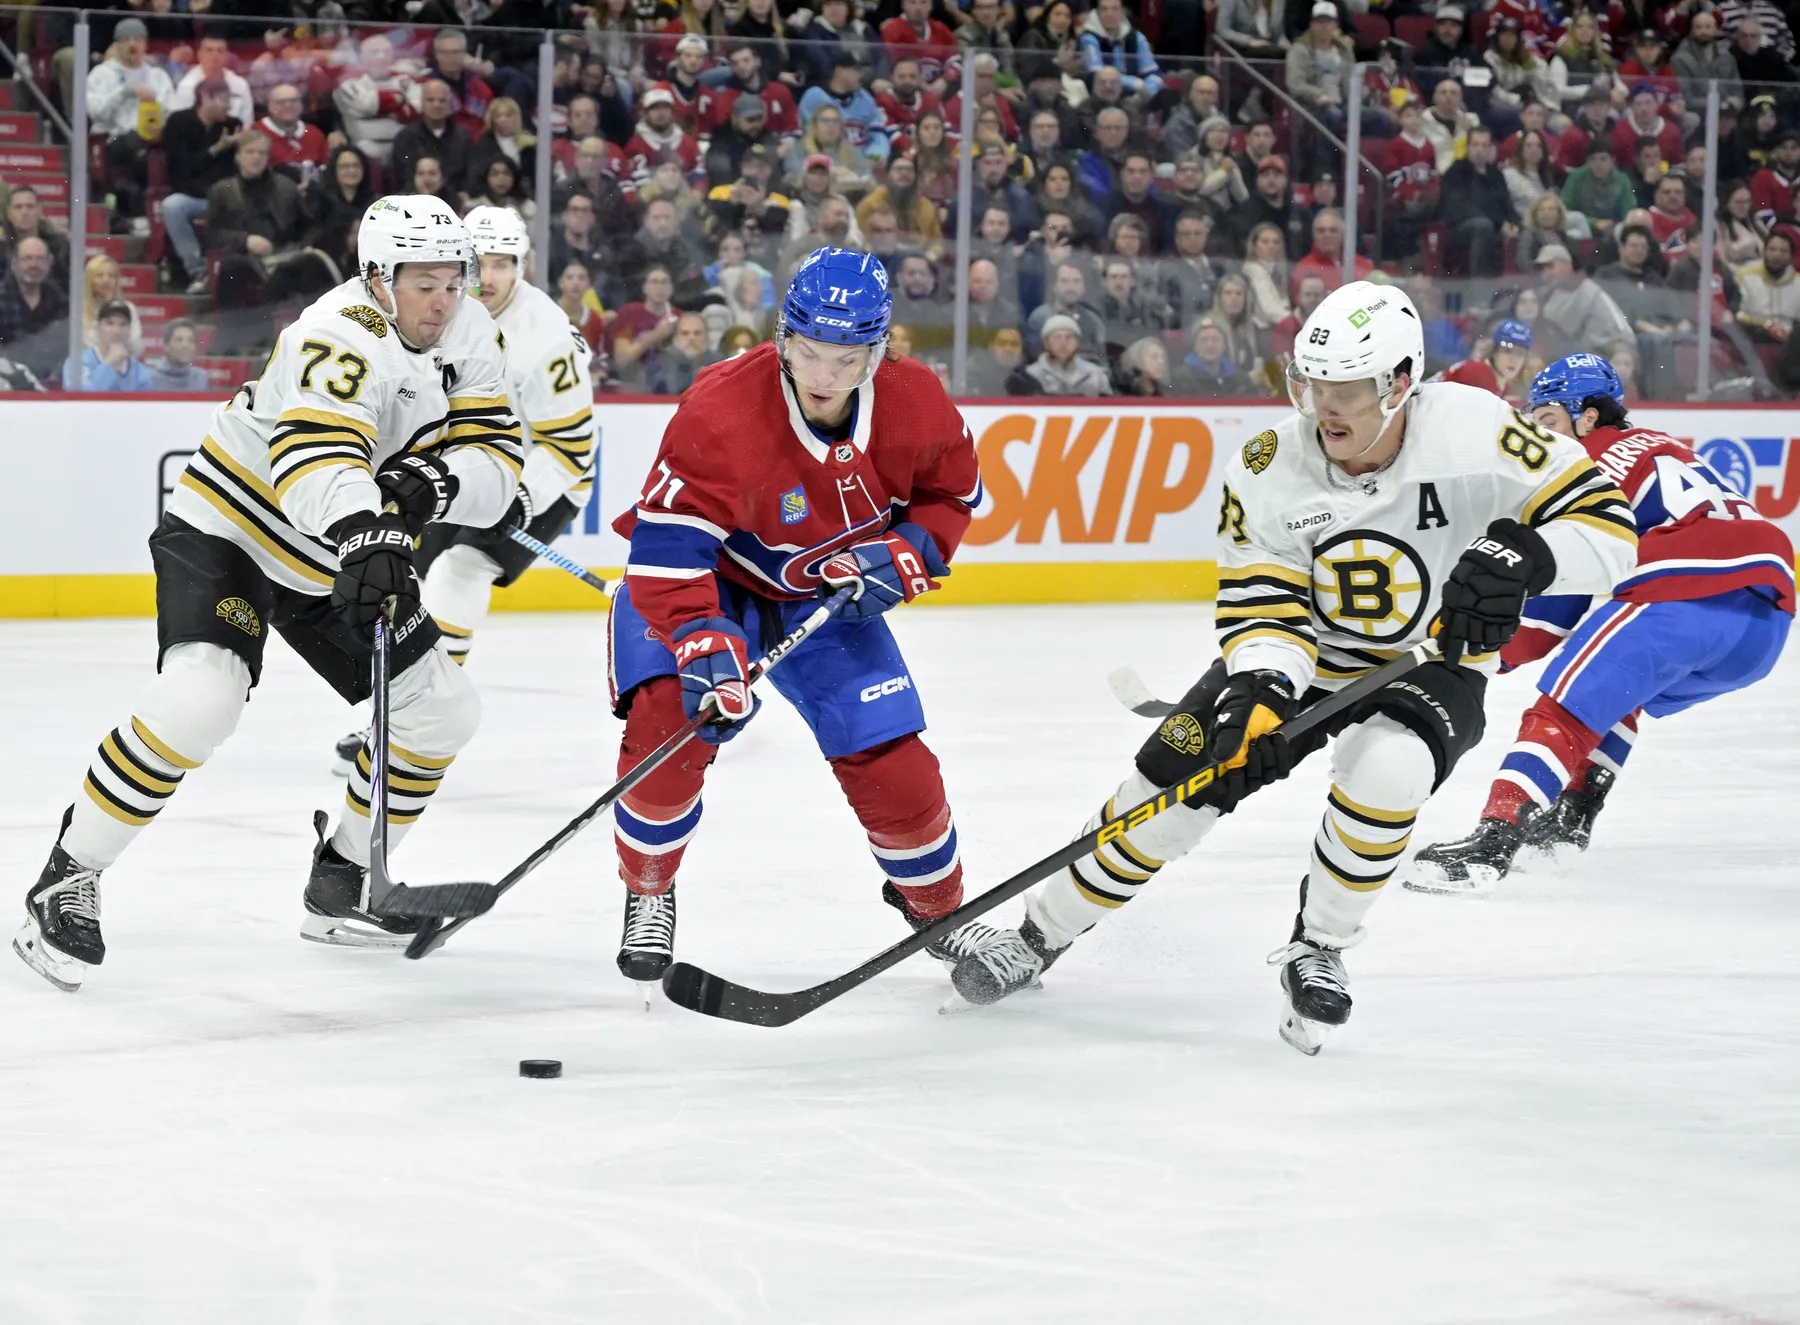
(1370, 584)
(793, 506)
(369, 319)
(1181, 732)
(240, 614)
(1259, 451)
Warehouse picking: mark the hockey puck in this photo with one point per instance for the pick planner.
(543, 1069)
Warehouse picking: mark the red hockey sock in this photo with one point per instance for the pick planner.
(898, 795)
(1552, 744)
(654, 821)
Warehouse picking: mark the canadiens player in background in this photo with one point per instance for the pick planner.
(1500, 370)
(1706, 611)
(804, 466)
(1381, 513)
(386, 395)
(549, 388)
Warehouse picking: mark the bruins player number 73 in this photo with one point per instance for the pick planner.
(387, 394)
(1382, 512)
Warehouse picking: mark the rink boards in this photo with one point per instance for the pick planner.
(1106, 502)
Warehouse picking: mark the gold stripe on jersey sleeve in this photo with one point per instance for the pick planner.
(576, 465)
(329, 419)
(1232, 575)
(283, 445)
(286, 483)
(160, 750)
(253, 483)
(1555, 490)
(465, 430)
(484, 404)
(500, 453)
(259, 536)
(581, 418)
(1250, 611)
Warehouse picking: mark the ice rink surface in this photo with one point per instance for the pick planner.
(1577, 1102)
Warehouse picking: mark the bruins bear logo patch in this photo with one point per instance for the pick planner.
(1181, 732)
(371, 320)
(240, 614)
(1259, 451)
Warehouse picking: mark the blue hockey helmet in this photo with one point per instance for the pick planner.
(840, 297)
(1573, 379)
(1514, 334)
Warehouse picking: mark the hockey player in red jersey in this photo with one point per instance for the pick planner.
(1705, 612)
(797, 468)
(1497, 372)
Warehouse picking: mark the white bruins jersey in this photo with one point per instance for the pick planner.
(297, 450)
(1324, 576)
(547, 380)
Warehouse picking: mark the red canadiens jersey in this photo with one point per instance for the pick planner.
(1473, 372)
(743, 487)
(647, 144)
(1412, 173)
(1697, 537)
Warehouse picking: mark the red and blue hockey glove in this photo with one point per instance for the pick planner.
(887, 571)
(714, 658)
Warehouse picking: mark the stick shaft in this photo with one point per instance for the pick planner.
(547, 553)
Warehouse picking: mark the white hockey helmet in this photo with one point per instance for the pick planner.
(403, 228)
(499, 230)
(1360, 330)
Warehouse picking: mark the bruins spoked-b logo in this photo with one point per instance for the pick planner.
(240, 614)
(1370, 584)
(1181, 732)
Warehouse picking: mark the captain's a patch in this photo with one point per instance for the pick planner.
(240, 614)
(369, 319)
(1181, 732)
(1259, 451)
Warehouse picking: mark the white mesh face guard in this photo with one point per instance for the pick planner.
(409, 228)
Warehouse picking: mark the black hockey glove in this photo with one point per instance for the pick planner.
(1486, 590)
(1245, 732)
(422, 486)
(375, 563)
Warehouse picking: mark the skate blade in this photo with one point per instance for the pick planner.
(65, 972)
(337, 932)
(1558, 860)
(1425, 877)
(1304, 1034)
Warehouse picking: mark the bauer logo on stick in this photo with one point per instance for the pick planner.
(240, 614)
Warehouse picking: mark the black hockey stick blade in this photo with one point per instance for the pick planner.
(1129, 689)
(440, 901)
(712, 995)
(432, 935)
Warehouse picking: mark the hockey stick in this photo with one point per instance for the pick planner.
(713, 996)
(558, 560)
(434, 902)
(432, 937)
(1129, 689)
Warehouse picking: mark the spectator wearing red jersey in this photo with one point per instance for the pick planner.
(1644, 120)
(1772, 187)
(693, 98)
(781, 114)
(1593, 123)
(644, 324)
(469, 92)
(913, 32)
(987, 71)
(658, 132)
(906, 97)
(1388, 83)
(1412, 182)
(1326, 257)
(297, 149)
(1670, 217)
(1649, 65)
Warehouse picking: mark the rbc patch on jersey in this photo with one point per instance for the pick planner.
(793, 506)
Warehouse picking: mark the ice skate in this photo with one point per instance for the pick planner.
(647, 946)
(343, 762)
(1014, 960)
(61, 938)
(1556, 838)
(1317, 989)
(952, 947)
(337, 902)
(1469, 866)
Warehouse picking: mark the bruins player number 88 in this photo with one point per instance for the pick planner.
(382, 408)
(1382, 512)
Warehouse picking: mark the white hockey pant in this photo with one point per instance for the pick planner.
(458, 586)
